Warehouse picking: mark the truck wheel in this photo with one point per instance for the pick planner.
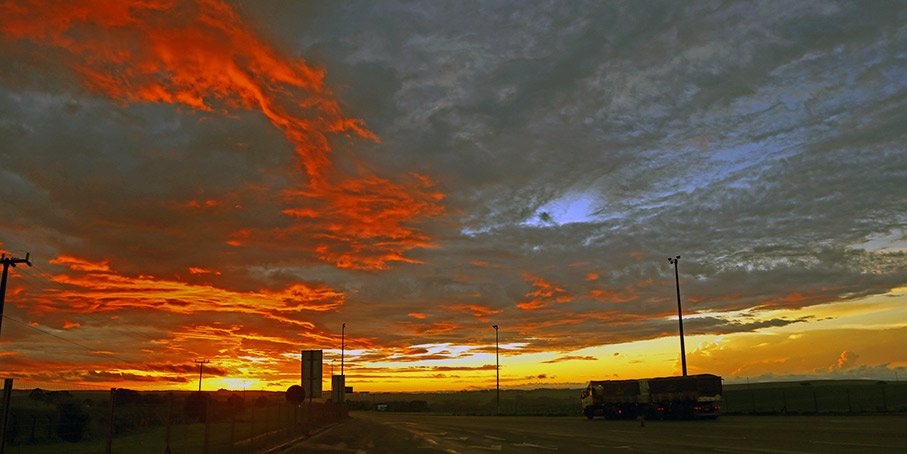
(589, 414)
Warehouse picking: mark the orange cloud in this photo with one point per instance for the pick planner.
(193, 53)
(430, 328)
(613, 296)
(201, 55)
(847, 359)
(77, 264)
(201, 204)
(796, 299)
(477, 310)
(364, 223)
(94, 287)
(544, 295)
(197, 270)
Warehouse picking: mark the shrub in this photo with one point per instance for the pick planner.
(195, 407)
(73, 421)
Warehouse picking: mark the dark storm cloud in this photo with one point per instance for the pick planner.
(762, 142)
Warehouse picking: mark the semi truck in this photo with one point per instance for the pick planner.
(684, 397)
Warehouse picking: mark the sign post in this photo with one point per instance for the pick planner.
(311, 373)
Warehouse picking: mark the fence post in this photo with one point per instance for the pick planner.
(207, 424)
(7, 403)
(267, 421)
(233, 411)
(110, 422)
(849, 406)
(169, 423)
(815, 402)
(252, 425)
(884, 400)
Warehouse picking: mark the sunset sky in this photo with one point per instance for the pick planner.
(232, 181)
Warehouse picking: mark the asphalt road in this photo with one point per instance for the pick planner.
(370, 432)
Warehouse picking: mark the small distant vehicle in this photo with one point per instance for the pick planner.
(684, 397)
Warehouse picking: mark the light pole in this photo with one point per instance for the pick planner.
(497, 371)
(342, 345)
(683, 353)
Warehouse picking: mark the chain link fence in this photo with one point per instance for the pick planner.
(55, 417)
(816, 397)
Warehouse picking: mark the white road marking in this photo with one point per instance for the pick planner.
(531, 445)
(720, 437)
(495, 438)
(487, 448)
(867, 445)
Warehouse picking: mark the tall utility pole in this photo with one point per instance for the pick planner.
(201, 364)
(342, 346)
(8, 262)
(497, 371)
(683, 353)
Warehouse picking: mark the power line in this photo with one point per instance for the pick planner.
(40, 275)
(93, 350)
(42, 279)
(38, 281)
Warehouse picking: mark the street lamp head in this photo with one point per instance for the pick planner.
(494, 326)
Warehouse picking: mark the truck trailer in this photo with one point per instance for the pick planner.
(685, 397)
